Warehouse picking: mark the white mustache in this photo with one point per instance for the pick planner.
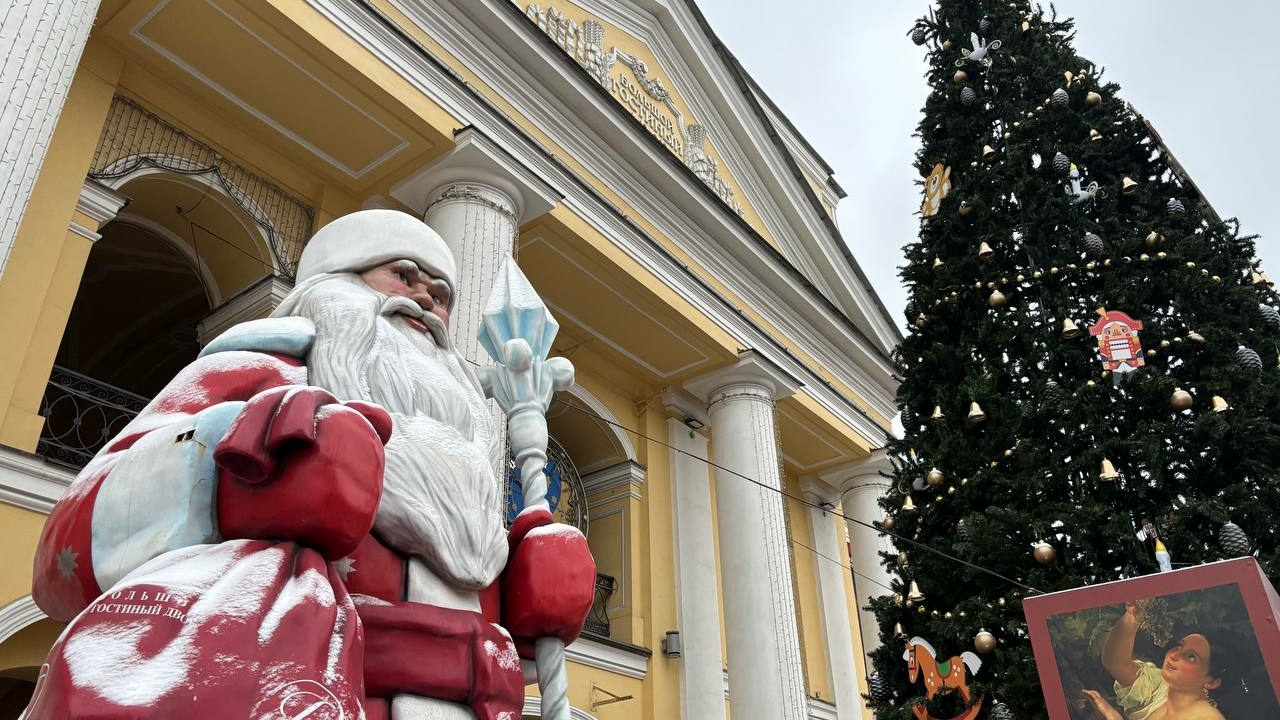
(399, 304)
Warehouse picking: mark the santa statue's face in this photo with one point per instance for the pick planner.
(381, 336)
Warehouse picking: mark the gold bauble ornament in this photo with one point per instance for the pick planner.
(946, 45)
(1107, 471)
(960, 77)
(1093, 98)
(921, 321)
(947, 615)
(1044, 553)
(966, 208)
(1154, 239)
(1181, 399)
(935, 477)
(984, 642)
(1037, 274)
(997, 299)
(902, 559)
(888, 524)
(985, 253)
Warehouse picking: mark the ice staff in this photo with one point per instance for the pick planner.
(517, 331)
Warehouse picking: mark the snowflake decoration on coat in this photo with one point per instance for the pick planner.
(936, 187)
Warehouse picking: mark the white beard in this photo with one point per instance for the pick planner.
(439, 498)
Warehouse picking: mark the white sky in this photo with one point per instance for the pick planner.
(846, 75)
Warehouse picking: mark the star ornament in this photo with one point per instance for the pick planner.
(67, 562)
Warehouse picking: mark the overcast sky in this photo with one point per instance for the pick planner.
(844, 72)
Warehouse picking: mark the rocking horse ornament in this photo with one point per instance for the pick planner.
(944, 676)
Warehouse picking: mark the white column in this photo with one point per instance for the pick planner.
(41, 42)
(478, 221)
(837, 633)
(697, 599)
(860, 486)
(766, 676)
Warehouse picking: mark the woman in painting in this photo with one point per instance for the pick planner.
(1180, 688)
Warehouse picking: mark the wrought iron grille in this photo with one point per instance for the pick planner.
(565, 493)
(81, 414)
(598, 619)
(133, 138)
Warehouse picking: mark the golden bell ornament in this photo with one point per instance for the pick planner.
(938, 415)
(1128, 186)
(1026, 26)
(935, 477)
(975, 415)
(1220, 405)
(984, 642)
(1255, 278)
(898, 632)
(914, 594)
(1070, 331)
(960, 77)
(997, 299)
(937, 262)
(946, 45)
(1094, 135)
(1193, 335)
(1044, 553)
(1093, 98)
(966, 208)
(888, 524)
(1154, 239)
(988, 153)
(902, 559)
(908, 506)
(1107, 472)
(1181, 399)
(985, 253)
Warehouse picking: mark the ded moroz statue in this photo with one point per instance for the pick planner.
(243, 548)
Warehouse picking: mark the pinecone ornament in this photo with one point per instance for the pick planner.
(1093, 246)
(878, 690)
(1248, 360)
(1052, 394)
(1175, 207)
(984, 26)
(1233, 541)
(1060, 97)
(968, 96)
(917, 35)
(1270, 317)
(1000, 711)
(1061, 163)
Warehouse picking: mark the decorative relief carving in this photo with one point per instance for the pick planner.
(645, 97)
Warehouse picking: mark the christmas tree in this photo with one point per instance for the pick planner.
(1090, 382)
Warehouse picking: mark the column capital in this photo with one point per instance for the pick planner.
(100, 204)
(477, 159)
(751, 368)
(859, 473)
(818, 491)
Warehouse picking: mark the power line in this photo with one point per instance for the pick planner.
(805, 502)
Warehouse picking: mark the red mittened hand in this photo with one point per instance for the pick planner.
(549, 583)
(298, 465)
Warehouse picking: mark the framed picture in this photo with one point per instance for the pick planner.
(1200, 638)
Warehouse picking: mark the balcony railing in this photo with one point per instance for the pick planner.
(598, 618)
(80, 415)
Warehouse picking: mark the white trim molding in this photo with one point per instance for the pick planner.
(30, 482)
(255, 301)
(17, 615)
(627, 474)
(821, 710)
(591, 653)
(533, 708)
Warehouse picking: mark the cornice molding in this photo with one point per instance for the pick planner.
(752, 368)
(404, 55)
(19, 614)
(821, 710)
(628, 475)
(30, 482)
(533, 708)
(592, 653)
(255, 301)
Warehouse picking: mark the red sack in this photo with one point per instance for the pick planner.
(248, 629)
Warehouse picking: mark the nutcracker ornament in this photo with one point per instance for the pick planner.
(1118, 342)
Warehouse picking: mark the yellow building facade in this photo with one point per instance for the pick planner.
(734, 386)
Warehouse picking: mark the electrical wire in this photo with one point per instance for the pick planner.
(802, 501)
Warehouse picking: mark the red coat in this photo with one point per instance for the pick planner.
(252, 585)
